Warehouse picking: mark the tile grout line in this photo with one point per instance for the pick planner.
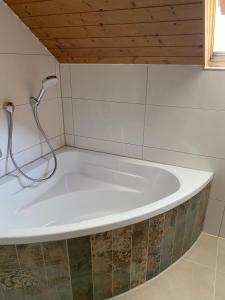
(215, 274)
(112, 281)
(183, 152)
(146, 95)
(44, 263)
(160, 253)
(62, 99)
(185, 224)
(60, 103)
(73, 104)
(196, 263)
(149, 222)
(147, 104)
(107, 101)
(93, 138)
(131, 256)
(221, 222)
(92, 273)
(174, 238)
(69, 271)
(19, 264)
(188, 107)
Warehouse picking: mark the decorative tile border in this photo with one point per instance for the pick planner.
(103, 265)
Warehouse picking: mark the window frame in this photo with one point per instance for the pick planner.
(211, 60)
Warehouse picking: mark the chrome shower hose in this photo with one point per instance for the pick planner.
(9, 108)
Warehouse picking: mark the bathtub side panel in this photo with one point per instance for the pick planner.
(102, 265)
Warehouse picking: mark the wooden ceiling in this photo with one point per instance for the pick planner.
(117, 31)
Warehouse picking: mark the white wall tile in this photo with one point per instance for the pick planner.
(28, 155)
(15, 36)
(56, 143)
(62, 140)
(21, 77)
(188, 130)
(120, 83)
(69, 140)
(48, 112)
(108, 147)
(57, 73)
(120, 122)
(65, 80)
(22, 158)
(68, 116)
(187, 86)
(25, 133)
(214, 217)
(61, 121)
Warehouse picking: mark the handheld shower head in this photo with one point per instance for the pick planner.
(48, 82)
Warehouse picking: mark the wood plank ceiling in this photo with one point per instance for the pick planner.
(117, 31)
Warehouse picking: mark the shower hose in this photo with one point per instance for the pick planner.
(9, 107)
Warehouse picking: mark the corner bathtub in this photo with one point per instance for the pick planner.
(101, 226)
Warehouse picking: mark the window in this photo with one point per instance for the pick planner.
(215, 34)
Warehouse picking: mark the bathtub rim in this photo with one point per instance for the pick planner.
(106, 223)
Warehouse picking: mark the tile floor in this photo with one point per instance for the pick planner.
(199, 275)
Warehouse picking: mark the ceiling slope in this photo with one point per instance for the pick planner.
(117, 31)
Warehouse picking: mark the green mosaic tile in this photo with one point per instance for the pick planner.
(207, 190)
(189, 224)
(199, 207)
(156, 226)
(57, 271)
(102, 284)
(2, 297)
(205, 196)
(167, 243)
(140, 233)
(32, 263)
(179, 231)
(79, 250)
(200, 214)
(101, 245)
(11, 277)
(121, 259)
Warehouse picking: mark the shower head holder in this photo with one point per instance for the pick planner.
(9, 107)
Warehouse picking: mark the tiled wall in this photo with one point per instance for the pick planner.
(102, 265)
(164, 113)
(24, 62)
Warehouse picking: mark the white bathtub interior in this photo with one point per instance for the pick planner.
(91, 190)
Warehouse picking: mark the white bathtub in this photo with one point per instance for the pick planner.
(90, 193)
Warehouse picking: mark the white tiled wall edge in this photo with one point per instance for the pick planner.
(178, 121)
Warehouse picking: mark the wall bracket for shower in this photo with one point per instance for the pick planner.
(9, 107)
